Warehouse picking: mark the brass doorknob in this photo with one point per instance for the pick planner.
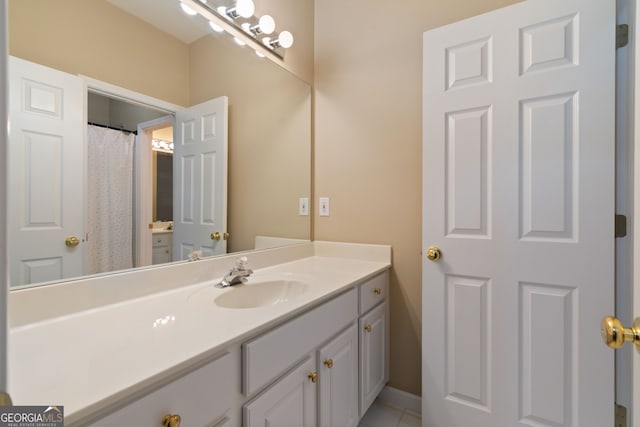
(225, 236)
(171, 421)
(434, 253)
(615, 335)
(328, 363)
(367, 328)
(313, 376)
(72, 241)
(215, 236)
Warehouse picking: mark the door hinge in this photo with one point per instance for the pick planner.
(622, 35)
(621, 416)
(621, 226)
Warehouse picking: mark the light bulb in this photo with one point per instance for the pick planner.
(186, 9)
(285, 39)
(215, 27)
(246, 27)
(267, 24)
(245, 8)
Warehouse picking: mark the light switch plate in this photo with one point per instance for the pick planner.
(303, 206)
(324, 206)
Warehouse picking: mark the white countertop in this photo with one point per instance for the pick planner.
(93, 358)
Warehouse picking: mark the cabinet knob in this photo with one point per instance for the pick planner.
(171, 421)
(367, 328)
(377, 291)
(313, 376)
(328, 363)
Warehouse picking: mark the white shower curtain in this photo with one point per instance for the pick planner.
(110, 200)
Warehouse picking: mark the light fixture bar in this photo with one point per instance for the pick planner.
(230, 27)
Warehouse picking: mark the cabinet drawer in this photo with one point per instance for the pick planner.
(161, 239)
(201, 398)
(271, 354)
(374, 291)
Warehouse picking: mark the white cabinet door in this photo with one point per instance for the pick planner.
(338, 380)
(519, 195)
(200, 179)
(46, 173)
(289, 402)
(374, 354)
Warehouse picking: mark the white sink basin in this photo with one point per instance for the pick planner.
(261, 294)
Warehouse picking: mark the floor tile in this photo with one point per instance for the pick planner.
(380, 415)
(409, 420)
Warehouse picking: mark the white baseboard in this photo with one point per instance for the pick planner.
(401, 399)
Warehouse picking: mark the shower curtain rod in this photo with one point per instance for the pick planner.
(121, 129)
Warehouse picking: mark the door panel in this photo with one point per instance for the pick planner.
(200, 178)
(518, 194)
(46, 172)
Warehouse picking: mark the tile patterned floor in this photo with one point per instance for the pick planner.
(382, 415)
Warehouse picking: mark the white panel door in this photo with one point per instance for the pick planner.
(200, 179)
(46, 173)
(518, 193)
(338, 380)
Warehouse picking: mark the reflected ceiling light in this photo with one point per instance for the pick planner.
(215, 27)
(266, 24)
(186, 9)
(261, 55)
(239, 42)
(285, 40)
(189, 11)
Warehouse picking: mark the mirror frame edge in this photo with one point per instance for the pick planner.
(4, 138)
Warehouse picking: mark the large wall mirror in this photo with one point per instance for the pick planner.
(132, 45)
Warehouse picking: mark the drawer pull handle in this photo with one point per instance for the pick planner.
(328, 363)
(377, 291)
(367, 328)
(171, 421)
(313, 376)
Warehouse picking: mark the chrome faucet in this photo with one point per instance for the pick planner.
(238, 274)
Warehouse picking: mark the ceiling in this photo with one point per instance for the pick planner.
(167, 16)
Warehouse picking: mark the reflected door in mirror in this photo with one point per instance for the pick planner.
(46, 174)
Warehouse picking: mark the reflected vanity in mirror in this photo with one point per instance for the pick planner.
(269, 120)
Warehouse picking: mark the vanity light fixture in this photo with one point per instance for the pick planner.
(238, 21)
(243, 8)
(163, 146)
(265, 25)
(285, 40)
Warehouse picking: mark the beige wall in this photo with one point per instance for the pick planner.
(368, 142)
(269, 139)
(94, 38)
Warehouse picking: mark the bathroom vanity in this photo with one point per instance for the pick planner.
(305, 342)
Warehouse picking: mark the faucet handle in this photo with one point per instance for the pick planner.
(242, 263)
